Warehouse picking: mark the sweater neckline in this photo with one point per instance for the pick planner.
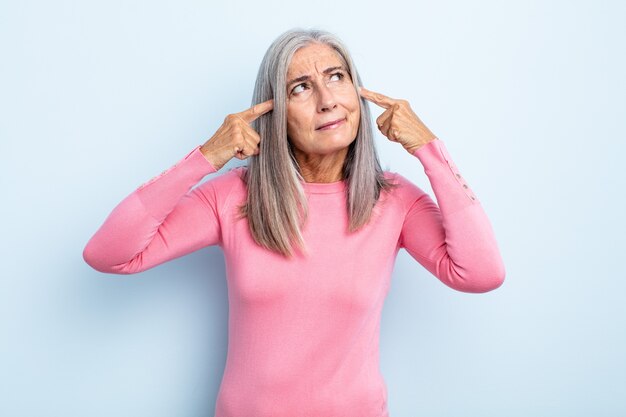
(324, 187)
(316, 187)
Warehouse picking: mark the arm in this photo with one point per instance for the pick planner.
(159, 221)
(455, 240)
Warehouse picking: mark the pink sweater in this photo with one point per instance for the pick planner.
(304, 333)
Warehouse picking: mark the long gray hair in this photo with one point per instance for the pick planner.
(276, 204)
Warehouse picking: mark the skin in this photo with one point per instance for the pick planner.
(321, 99)
(398, 122)
(311, 103)
(235, 137)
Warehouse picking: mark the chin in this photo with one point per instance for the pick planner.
(330, 148)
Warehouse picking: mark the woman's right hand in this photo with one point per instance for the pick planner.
(235, 137)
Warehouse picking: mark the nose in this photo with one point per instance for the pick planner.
(325, 99)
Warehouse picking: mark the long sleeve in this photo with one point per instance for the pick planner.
(159, 221)
(453, 240)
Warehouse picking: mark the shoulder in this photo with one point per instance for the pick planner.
(404, 186)
(220, 188)
(404, 191)
(225, 181)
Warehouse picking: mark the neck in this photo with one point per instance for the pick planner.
(322, 168)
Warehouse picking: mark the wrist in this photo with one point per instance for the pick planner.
(414, 148)
(207, 155)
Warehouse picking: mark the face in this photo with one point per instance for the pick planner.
(325, 96)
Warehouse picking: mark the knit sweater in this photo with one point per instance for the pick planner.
(303, 333)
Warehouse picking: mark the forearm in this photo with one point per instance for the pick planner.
(121, 244)
(468, 257)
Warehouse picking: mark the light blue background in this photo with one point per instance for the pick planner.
(529, 97)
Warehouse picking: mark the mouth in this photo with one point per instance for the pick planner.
(332, 125)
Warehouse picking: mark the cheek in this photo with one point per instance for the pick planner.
(292, 117)
(351, 99)
(356, 114)
(306, 118)
(356, 100)
(354, 106)
(298, 121)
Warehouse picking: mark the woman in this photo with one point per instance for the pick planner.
(310, 230)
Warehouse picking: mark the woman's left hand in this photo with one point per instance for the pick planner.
(398, 122)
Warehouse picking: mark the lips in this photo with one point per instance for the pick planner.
(329, 123)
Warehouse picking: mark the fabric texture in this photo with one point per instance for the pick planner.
(304, 332)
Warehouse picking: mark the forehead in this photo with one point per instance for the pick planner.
(313, 58)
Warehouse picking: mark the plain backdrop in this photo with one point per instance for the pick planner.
(96, 97)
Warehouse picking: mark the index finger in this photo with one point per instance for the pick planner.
(377, 98)
(256, 111)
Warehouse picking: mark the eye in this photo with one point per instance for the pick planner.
(339, 74)
(294, 89)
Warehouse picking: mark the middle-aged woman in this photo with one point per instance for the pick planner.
(310, 230)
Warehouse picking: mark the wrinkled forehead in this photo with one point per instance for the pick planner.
(314, 58)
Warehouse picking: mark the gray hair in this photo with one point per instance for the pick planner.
(276, 204)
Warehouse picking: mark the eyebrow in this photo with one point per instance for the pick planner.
(307, 77)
